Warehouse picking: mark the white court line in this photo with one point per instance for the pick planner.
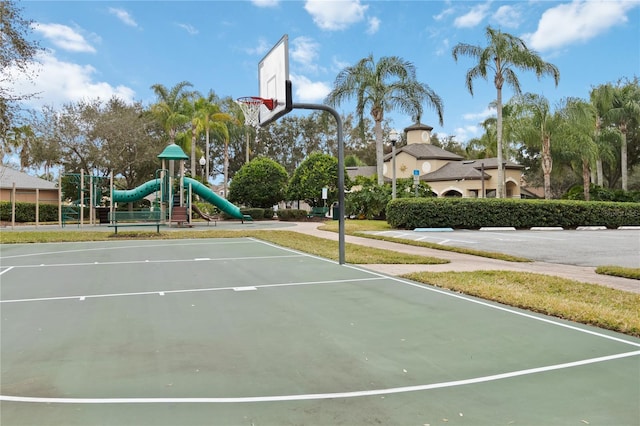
(316, 396)
(243, 241)
(133, 262)
(498, 307)
(335, 395)
(6, 270)
(192, 290)
(468, 299)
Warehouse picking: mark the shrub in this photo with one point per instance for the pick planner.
(26, 212)
(470, 213)
(292, 214)
(255, 213)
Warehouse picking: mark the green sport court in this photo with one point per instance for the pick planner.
(243, 332)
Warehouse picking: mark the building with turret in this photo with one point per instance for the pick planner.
(448, 174)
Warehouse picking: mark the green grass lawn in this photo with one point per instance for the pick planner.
(586, 303)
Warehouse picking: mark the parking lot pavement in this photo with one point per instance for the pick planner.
(570, 247)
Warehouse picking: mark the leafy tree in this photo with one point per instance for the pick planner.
(503, 55)
(381, 86)
(316, 172)
(449, 144)
(369, 201)
(127, 137)
(260, 183)
(353, 161)
(624, 113)
(16, 54)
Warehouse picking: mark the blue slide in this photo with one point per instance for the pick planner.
(129, 195)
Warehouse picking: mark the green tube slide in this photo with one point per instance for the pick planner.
(129, 195)
(211, 197)
(138, 193)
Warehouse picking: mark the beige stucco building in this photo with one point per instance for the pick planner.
(27, 188)
(448, 174)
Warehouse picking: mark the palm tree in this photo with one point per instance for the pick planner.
(208, 117)
(485, 145)
(381, 86)
(601, 98)
(625, 110)
(503, 55)
(578, 121)
(169, 109)
(537, 125)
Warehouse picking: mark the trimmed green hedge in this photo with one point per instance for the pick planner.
(26, 212)
(292, 214)
(474, 213)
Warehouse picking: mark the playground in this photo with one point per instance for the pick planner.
(89, 199)
(239, 331)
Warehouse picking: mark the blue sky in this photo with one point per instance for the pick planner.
(103, 48)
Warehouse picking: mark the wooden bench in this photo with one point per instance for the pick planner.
(135, 218)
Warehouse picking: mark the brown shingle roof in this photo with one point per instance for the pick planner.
(456, 170)
(425, 151)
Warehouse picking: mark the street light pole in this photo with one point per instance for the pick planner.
(393, 137)
(202, 164)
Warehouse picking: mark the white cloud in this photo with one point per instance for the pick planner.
(577, 21)
(335, 15)
(304, 51)
(59, 82)
(480, 116)
(374, 25)
(260, 49)
(64, 37)
(508, 16)
(188, 28)
(265, 3)
(443, 49)
(309, 91)
(123, 16)
(473, 17)
(443, 14)
(338, 65)
(463, 134)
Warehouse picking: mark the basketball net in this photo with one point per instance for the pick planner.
(250, 106)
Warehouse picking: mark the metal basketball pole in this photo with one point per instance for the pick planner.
(341, 209)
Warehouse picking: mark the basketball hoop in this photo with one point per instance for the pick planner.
(250, 106)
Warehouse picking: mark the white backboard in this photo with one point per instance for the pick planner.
(273, 81)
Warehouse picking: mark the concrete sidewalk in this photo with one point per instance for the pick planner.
(463, 262)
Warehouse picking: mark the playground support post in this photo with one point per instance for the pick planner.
(81, 197)
(190, 198)
(37, 207)
(60, 200)
(13, 205)
(111, 215)
(91, 200)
